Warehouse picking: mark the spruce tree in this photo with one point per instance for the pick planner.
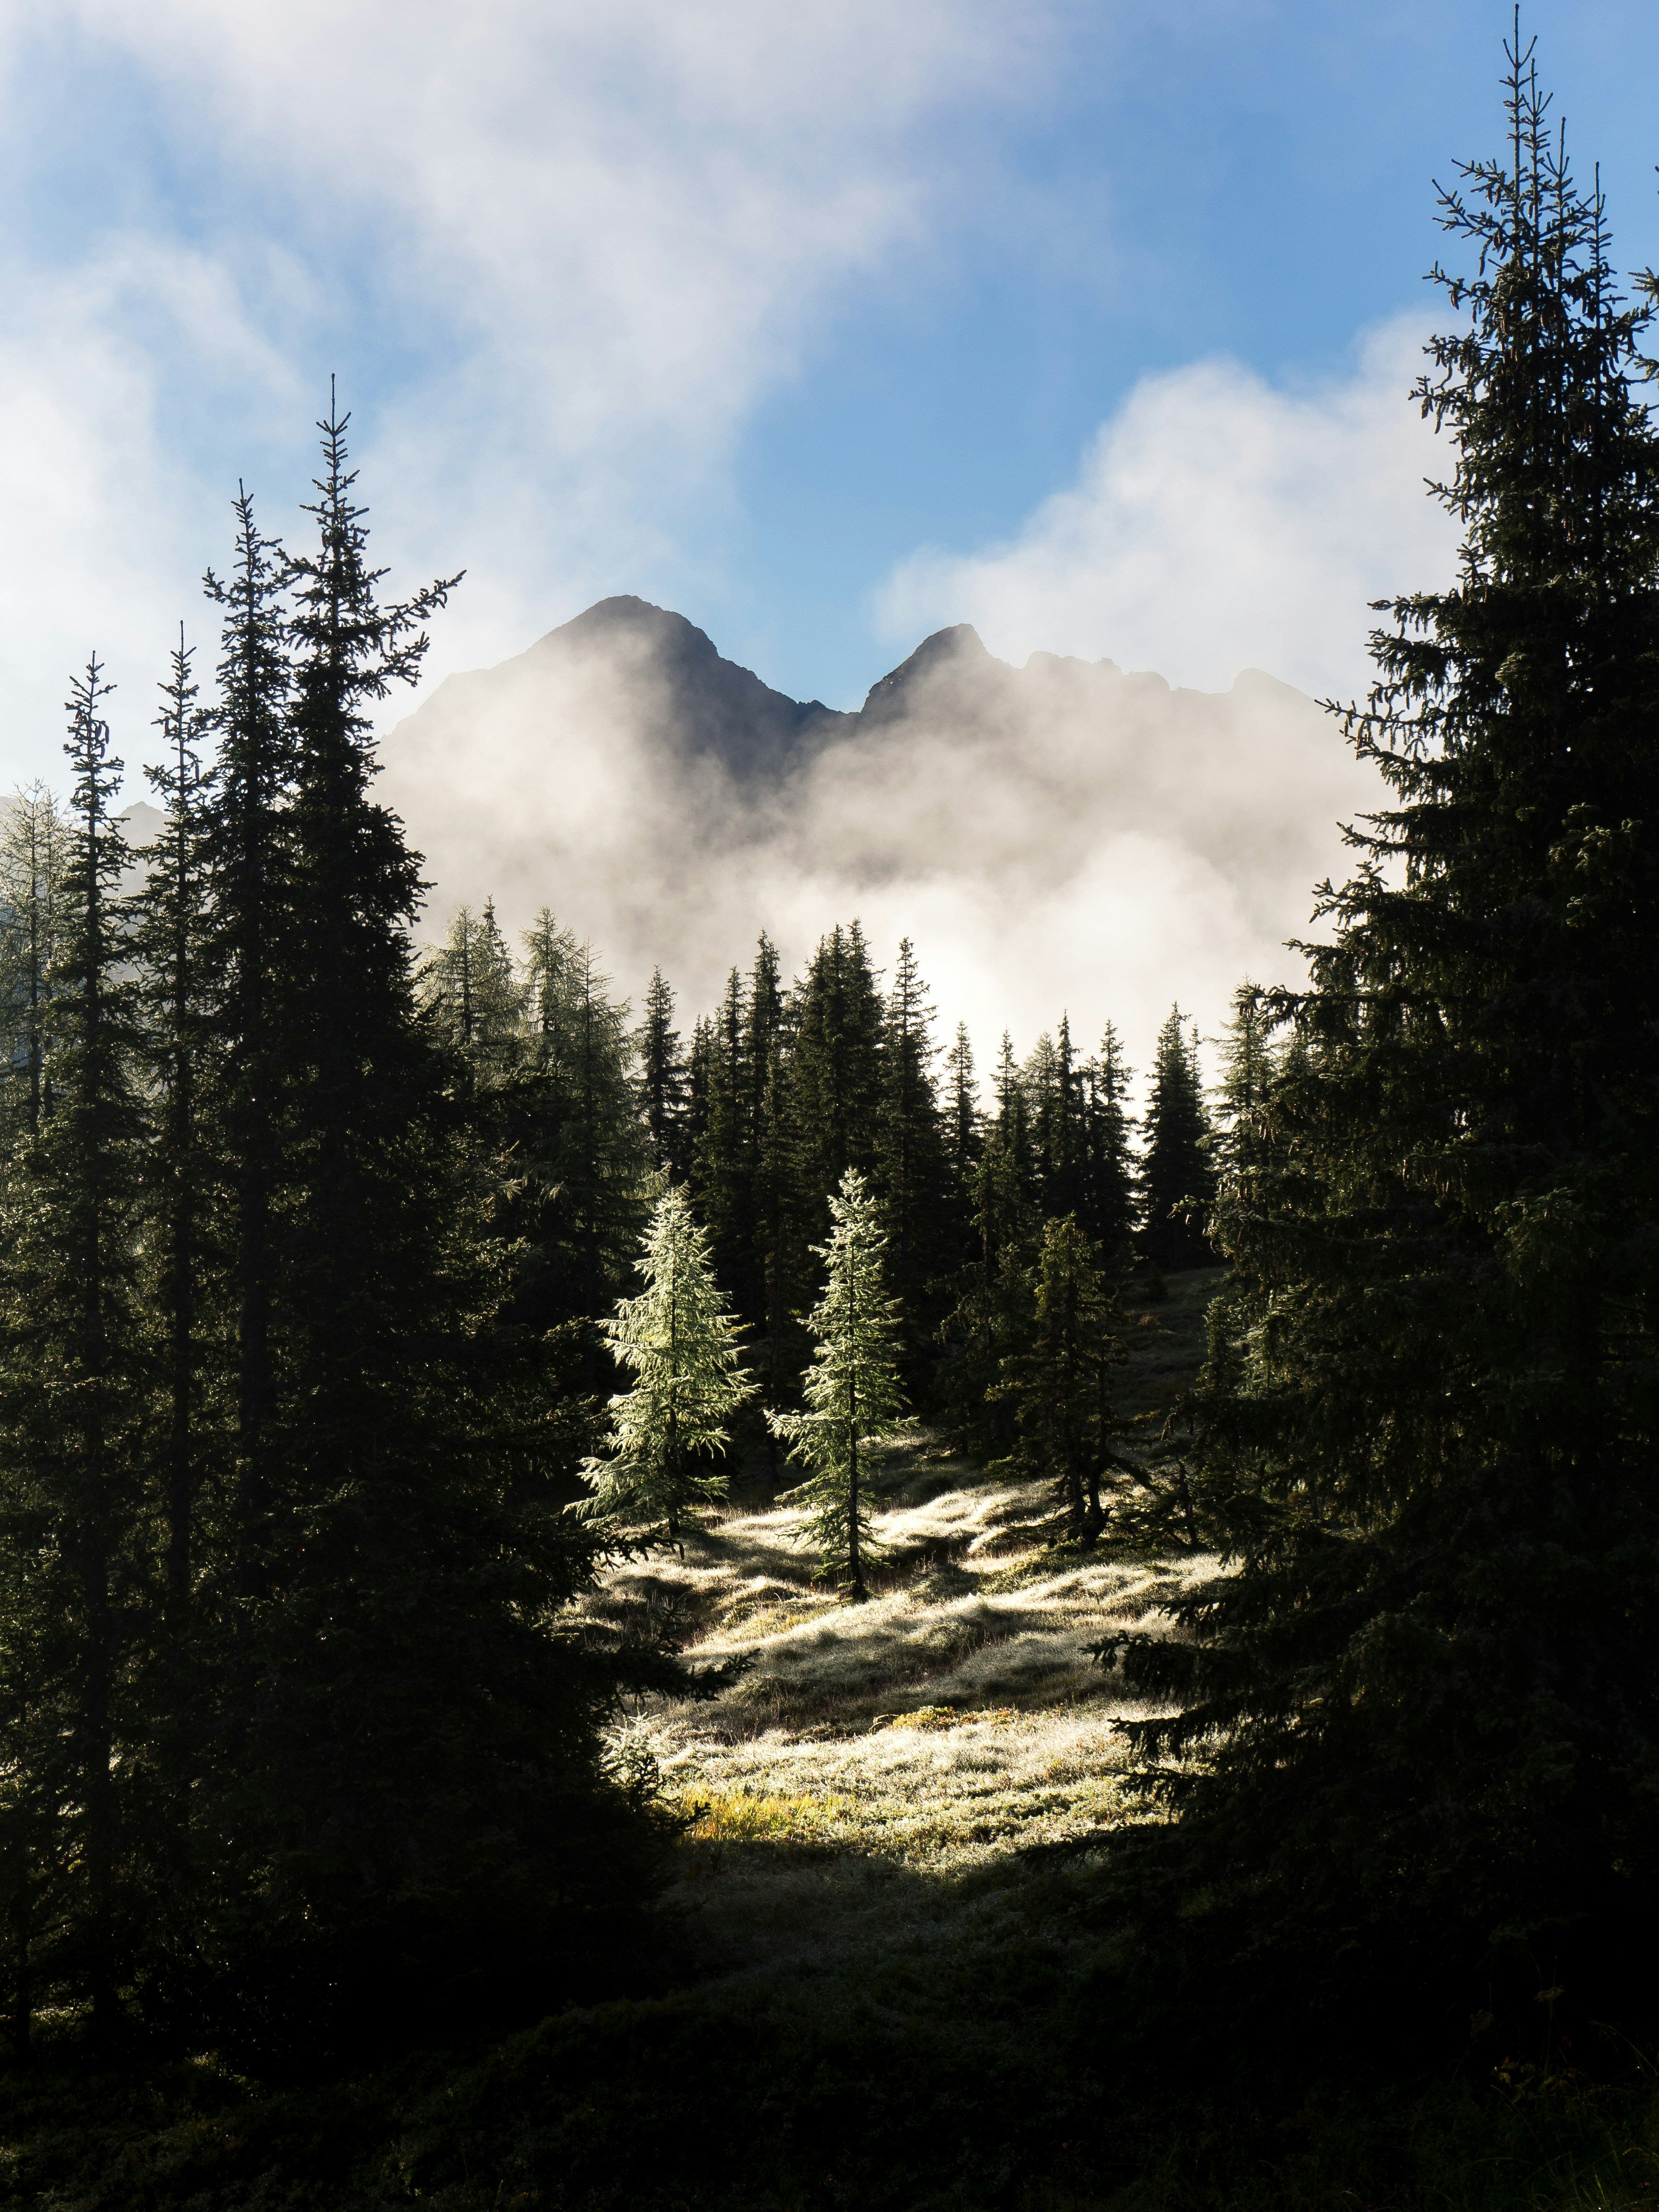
(1177, 1174)
(835, 1071)
(912, 1174)
(1249, 1062)
(582, 1147)
(171, 942)
(852, 1388)
(1428, 1690)
(1059, 1382)
(662, 1081)
(249, 1070)
(1053, 1086)
(679, 1343)
(413, 1824)
(721, 1168)
(991, 1318)
(963, 1121)
(74, 1400)
(1109, 1211)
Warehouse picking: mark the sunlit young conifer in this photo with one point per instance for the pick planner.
(852, 1388)
(679, 1343)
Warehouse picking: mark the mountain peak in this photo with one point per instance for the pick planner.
(961, 642)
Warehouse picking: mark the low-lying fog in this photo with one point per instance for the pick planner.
(1063, 836)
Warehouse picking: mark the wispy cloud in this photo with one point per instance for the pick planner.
(1218, 523)
(561, 250)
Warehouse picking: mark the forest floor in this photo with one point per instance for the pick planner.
(884, 1976)
(855, 1802)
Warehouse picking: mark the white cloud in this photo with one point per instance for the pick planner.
(103, 533)
(574, 245)
(1060, 837)
(1217, 524)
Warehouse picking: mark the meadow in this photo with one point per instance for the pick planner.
(882, 1973)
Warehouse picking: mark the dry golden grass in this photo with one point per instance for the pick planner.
(842, 1798)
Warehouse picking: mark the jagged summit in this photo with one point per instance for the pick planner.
(959, 647)
(713, 706)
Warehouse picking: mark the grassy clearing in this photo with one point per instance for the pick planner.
(888, 1984)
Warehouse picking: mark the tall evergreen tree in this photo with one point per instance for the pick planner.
(836, 1070)
(662, 1081)
(721, 1168)
(1177, 1176)
(1429, 1688)
(73, 1405)
(1249, 1064)
(1059, 1382)
(171, 941)
(1053, 1087)
(581, 1140)
(249, 1070)
(912, 1175)
(679, 1343)
(963, 1121)
(477, 1001)
(1109, 1213)
(854, 1398)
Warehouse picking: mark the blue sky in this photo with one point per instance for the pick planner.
(823, 326)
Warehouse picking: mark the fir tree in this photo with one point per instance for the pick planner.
(1177, 1175)
(1429, 1687)
(721, 1168)
(992, 1319)
(680, 1344)
(852, 1388)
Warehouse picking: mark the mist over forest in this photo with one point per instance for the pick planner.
(1063, 836)
(749, 1461)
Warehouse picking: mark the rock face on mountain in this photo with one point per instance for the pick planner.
(1064, 835)
(698, 703)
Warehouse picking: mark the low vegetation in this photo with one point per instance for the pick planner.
(884, 1942)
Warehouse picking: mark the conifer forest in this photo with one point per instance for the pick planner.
(741, 1606)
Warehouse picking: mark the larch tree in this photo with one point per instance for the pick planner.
(852, 1395)
(679, 1343)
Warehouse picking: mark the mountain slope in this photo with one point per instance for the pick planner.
(1063, 835)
